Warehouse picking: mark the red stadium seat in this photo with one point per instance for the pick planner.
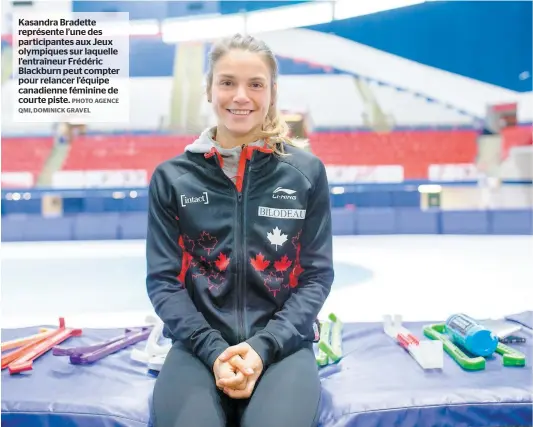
(415, 150)
(123, 152)
(27, 154)
(517, 136)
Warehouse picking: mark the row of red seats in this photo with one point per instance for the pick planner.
(415, 150)
(123, 152)
(25, 154)
(517, 136)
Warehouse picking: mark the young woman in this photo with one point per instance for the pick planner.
(239, 258)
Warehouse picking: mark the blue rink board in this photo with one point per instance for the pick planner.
(361, 221)
(376, 384)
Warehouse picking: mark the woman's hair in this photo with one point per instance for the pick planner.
(274, 131)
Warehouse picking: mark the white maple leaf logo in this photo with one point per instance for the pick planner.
(277, 237)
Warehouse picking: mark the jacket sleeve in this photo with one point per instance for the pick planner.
(290, 326)
(168, 295)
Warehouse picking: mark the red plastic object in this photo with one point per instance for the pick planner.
(407, 340)
(22, 360)
(19, 342)
(26, 344)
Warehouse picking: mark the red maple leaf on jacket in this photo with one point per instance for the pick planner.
(282, 264)
(259, 262)
(293, 276)
(207, 241)
(222, 262)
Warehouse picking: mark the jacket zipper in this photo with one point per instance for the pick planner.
(242, 256)
(240, 241)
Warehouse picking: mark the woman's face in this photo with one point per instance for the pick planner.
(241, 91)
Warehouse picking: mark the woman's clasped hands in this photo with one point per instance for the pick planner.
(237, 370)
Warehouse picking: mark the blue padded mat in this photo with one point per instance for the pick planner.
(524, 318)
(376, 384)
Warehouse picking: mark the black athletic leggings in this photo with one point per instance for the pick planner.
(286, 395)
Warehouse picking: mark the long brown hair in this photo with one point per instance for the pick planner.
(275, 130)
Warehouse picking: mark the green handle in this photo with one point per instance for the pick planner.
(511, 357)
(435, 332)
(336, 335)
(330, 344)
(322, 357)
(326, 348)
(333, 317)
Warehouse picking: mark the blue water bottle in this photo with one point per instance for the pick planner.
(471, 335)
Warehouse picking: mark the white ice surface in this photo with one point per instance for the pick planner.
(101, 284)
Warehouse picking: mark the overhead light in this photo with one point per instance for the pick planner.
(283, 18)
(119, 195)
(337, 190)
(429, 188)
(345, 9)
(181, 30)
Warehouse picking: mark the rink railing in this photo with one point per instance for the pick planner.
(416, 207)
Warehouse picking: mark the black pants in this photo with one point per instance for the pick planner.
(286, 395)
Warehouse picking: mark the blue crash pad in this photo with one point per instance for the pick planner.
(376, 384)
(524, 318)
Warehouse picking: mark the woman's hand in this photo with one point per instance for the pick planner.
(228, 375)
(247, 362)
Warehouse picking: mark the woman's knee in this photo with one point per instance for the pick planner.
(185, 393)
(287, 394)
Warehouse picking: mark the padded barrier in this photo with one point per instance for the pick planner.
(465, 222)
(36, 228)
(342, 221)
(363, 195)
(133, 226)
(416, 221)
(375, 221)
(511, 222)
(376, 384)
(45, 229)
(96, 226)
(13, 228)
(346, 221)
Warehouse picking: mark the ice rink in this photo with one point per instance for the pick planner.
(102, 284)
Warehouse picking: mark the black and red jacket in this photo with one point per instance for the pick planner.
(249, 262)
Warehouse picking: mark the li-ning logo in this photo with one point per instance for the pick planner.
(288, 193)
(188, 200)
